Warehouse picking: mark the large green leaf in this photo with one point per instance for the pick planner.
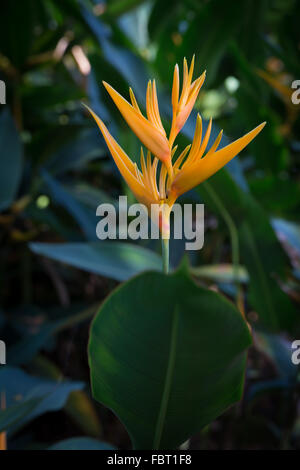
(116, 260)
(167, 356)
(11, 160)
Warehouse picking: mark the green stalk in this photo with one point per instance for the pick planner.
(165, 254)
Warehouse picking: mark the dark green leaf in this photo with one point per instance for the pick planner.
(115, 259)
(167, 356)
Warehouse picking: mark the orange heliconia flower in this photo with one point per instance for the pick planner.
(161, 181)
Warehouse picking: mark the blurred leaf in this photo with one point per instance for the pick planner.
(15, 413)
(252, 20)
(123, 60)
(19, 385)
(161, 358)
(220, 273)
(209, 33)
(119, 7)
(49, 219)
(24, 350)
(89, 195)
(30, 344)
(279, 350)
(278, 196)
(85, 218)
(288, 231)
(76, 154)
(267, 387)
(247, 74)
(260, 250)
(161, 14)
(288, 35)
(95, 96)
(269, 150)
(79, 406)
(113, 259)
(11, 159)
(81, 443)
(16, 36)
(81, 409)
(50, 138)
(43, 97)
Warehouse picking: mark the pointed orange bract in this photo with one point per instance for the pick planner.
(197, 169)
(182, 107)
(162, 183)
(140, 183)
(150, 131)
(3, 443)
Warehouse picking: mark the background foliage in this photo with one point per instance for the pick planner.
(55, 170)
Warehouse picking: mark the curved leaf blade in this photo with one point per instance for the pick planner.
(167, 356)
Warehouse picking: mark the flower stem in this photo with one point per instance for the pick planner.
(165, 254)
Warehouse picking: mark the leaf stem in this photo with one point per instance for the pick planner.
(165, 254)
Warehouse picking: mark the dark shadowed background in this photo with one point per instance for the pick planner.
(55, 170)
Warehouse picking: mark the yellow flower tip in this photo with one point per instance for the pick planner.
(99, 122)
(176, 71)
(86, 106)
(200, 80)
(192, 64)
(255, 131)
(107, 86)
(175, 88)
